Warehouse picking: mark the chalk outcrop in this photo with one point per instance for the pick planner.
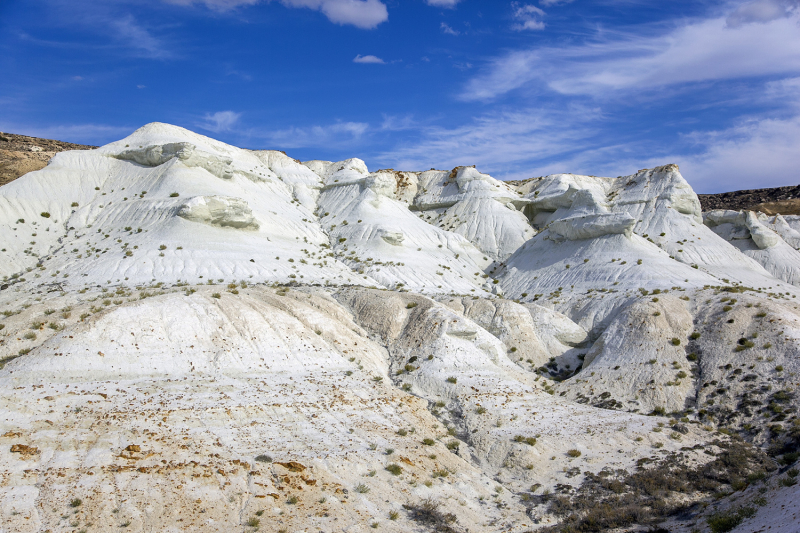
(200, 337)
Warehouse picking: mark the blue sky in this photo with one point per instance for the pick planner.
(518, 88)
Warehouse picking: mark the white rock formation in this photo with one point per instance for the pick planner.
(197, 337)
(754, 237)
(219, 211)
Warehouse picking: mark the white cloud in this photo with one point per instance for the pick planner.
(337, 135)
(443, 3)
(753, 154)
(708, 50)
(756, 152)
(507, 143)
(395, 123)
(220, 121)
(448, 30)
(141, 86)
(760, 11)
(368, 59)
(77, 133)
(218, 5)
(554, 2)
(365, 14)
(127, 30)
(527, 17)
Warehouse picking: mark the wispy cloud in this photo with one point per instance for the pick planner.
(117, 30)
(77, 133)
(699, 51)
(395, 123)
(365, 14)
(128, 31)
(368, 59)
(510, 143)
(528, 17)
(220, 121)
(442, 3)
(760, 11)
(756, 152)
(448, 30)
(339, 134)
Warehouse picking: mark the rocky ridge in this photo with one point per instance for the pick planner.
(200, 337)
(777, 200)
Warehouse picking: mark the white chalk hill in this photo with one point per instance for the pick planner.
(200, 337)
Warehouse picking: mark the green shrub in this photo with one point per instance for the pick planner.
(293, 499)
(263, 458)
(395, 469)
(428, 442)
(361, 488)
(721, 523)
(254, 522)
(574, 453)
(76, 502)
(45, 214)
(216, 295)
(452, 379)
(174, 195)
(695, 335)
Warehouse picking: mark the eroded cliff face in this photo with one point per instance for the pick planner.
(197, 336)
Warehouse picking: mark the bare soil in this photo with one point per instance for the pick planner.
(20, 154)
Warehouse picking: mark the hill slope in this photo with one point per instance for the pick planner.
(198, 336)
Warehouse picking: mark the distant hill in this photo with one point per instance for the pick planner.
(783, 200)
(20, 154)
